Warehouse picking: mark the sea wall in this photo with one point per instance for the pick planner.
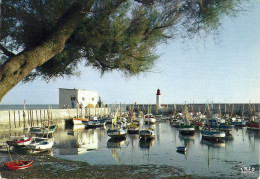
(23, 119)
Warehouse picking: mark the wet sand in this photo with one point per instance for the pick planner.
(48, 167)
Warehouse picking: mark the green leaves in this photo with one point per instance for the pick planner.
(114, 35)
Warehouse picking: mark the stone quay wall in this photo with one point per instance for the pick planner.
(23, 119)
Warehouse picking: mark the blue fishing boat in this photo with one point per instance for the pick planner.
(95, 122)
(239, 123)
(211, 130)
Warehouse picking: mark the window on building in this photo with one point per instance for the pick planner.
(93, 99)
(73, 98)
(83, 98)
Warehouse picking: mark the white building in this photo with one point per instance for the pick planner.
(71, 98)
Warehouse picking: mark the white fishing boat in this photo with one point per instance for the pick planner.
(149, 119)
(79, 120)
(40, 144)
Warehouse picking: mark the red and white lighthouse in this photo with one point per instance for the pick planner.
(158, 98)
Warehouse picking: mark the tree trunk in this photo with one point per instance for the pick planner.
(19, 66)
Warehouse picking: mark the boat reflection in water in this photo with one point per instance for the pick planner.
(117, 147)
(117, 143)
(84, 141)
(213, 144)
(146, 143)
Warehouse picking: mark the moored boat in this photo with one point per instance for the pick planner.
(239, 123)
(149, 119)
(147, 133)
(19, 141)
(253, 125)
(210, 132)
(95, 122)
(181, 149)
(41, 144)
(116, 131)
(43, 130)
(175, 122)
(186, 127)
(19, 164)
(225, 127)
(134, 127)
(79, 120)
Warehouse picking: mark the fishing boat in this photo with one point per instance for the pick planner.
(147, 133)
(223, 126)
(134, 127)
(116, 131)
(212, 134)
(253, 125)
(175, 122)
(186, 127)
(149, 119)
(209, 133)
(79, 120)
(94, 122)
(238, 122)
(19, 164)
(19, 141)
(37, 130)
(40, 144)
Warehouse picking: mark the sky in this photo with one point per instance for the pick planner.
(225, 70)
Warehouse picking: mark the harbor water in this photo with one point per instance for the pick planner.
(236, 157)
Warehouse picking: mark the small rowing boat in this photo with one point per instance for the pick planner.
(181, 149)
(19, 141)
(20, 164)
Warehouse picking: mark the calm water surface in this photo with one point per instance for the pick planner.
(237, 157)
(203, 158)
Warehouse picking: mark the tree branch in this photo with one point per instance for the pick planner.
(6, 52)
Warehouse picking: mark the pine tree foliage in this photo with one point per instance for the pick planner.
(105, 34)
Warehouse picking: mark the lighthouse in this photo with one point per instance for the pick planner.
(158, 98)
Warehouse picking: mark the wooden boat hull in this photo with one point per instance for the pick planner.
(149, 120)
(77, 121)
(44, 145)
(18, 165)
(42, 130)
(253, 126)
(116, 133)
(147, 134)
(213, 135)
(19, 143)
(187, 129)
